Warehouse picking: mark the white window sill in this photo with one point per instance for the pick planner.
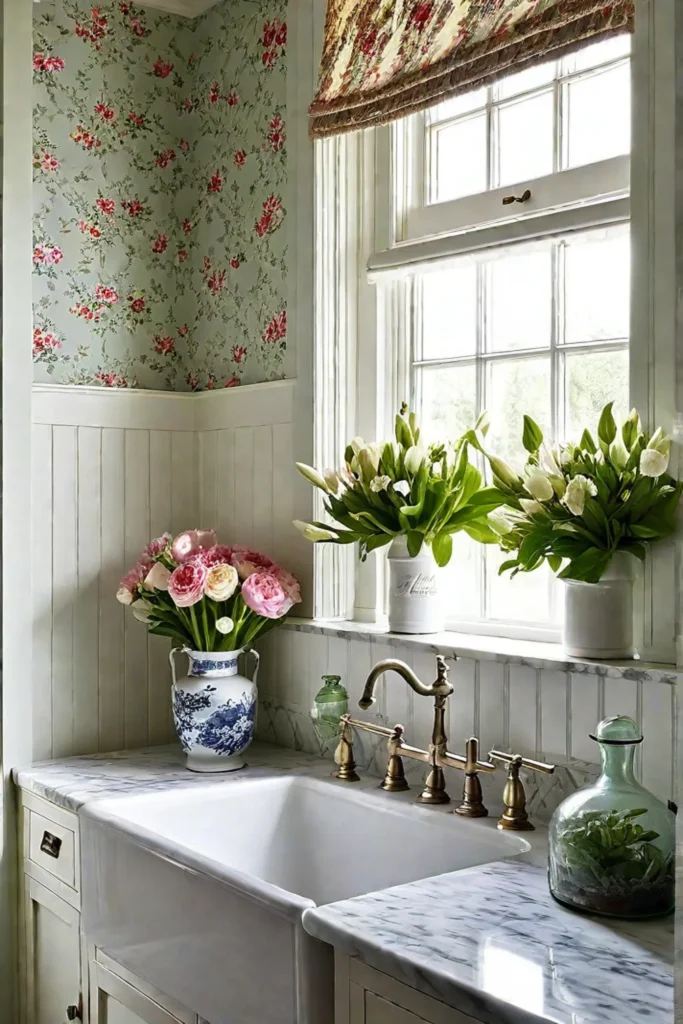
(531, 653)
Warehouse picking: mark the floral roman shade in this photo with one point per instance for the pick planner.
(383, 59)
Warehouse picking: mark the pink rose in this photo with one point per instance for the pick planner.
(159, 544)
(219, 554)
(264, 594)
(247, 561)
(186, 585)
(289, 583)
(189, 542)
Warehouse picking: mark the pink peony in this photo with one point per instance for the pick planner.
(247, 561)
(190, 542)
(265, 595)
(133, 579)
(289, 583)
(219, 554)
(186, 585)
(159, 544)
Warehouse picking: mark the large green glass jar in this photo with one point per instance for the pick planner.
(612, 844)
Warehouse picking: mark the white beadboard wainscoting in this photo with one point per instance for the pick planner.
(110, 469)
(540, 712)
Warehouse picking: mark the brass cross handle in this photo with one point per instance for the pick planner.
(515, 817)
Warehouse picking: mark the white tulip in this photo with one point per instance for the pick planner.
(402, 487)
(312, 475)
(379, 483)
(332, 480)
(538, 485)
(158, 576)
(499, 522)
(357, 444)
(414, 458)
(548, 462)
(577, 491)
(530, 506)
(225, 625)
(140, 610)
(313, 533)
(124, 596)
(653, 463)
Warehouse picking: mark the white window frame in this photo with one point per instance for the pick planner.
(380, 230)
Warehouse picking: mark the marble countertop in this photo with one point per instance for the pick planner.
(488, 940)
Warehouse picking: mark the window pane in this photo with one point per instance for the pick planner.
(597, 53)
(449, 312)
(525, 139)
(523, 599)
(462, 583)
(597, 288)
(448, 401)
(460, 159)
(592, 379)
(599, 114)
(515, 387)
(524, 81)
(519, 301)
(458, 105)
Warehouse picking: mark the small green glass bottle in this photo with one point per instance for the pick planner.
(331, 702)
(612, 844)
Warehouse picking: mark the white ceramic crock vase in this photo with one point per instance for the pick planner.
(415, 605)
(598, 617)
(214, 709)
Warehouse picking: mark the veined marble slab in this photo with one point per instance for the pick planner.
(490, 941)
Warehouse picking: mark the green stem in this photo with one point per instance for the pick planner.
(207, 631)
(196, 632)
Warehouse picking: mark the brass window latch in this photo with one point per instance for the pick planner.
(515, 817)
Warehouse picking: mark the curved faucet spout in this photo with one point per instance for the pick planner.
(439, 688)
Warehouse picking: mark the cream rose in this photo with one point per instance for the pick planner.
(221, 582)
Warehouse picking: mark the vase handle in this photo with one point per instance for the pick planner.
(171, 660)
(257, 658)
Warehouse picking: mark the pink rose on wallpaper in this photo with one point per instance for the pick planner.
(184, 146)
(39, 254)
(272, 216)
(232, 382)
(105, 112)
(235, 263)
(182, 255)
(215, 183)
(45, 254)
(136, 119)
(49, 64)
(85, 138)
(211, 382)
(207, 266)
(232, 99)
(113, 380)
(106, 206)
(276, 329)
(160, 244)
(276, 133)
(189, 104)
(183, 331)
(164, 346)
(105, 294)
(238, 353)
(264, 594)
(165, 158)
(281, 37)
(273, 41)
(133, 207)
(161, 68)
(186, 225)
(240, 158)
(192, 380)
(137, 303)
(214, 93)
(216, 281)
(268, 58)
(44, 342)
(96, 31)
(46, 161)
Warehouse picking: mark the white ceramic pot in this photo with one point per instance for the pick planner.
(415, 605)
(214, 709)
(598, 617)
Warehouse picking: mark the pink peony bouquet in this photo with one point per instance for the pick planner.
(208, 596)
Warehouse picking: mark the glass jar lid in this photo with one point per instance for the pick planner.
(618, 730)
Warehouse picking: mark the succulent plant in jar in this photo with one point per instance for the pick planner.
(612, 844)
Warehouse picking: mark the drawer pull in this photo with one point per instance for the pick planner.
(50, 844)
(73, 1012)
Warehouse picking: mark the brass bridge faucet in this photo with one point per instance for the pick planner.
(436, 756)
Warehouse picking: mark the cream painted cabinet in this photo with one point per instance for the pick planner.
(366, 996)
(63, 978)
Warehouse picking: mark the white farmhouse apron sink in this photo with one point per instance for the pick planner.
(201, 891)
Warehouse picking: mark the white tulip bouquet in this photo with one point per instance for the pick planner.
(403, 488)
(576, 505)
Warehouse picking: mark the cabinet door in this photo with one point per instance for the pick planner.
(381, 1011)
(115, 1001)
(52, 966)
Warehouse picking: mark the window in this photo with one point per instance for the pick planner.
(512, 307)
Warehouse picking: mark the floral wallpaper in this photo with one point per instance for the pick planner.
(160, 251)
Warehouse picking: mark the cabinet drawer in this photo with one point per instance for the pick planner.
(52, 847)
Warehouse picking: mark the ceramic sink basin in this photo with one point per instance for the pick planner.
(201, 891)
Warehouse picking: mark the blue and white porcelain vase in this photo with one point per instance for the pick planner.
(214, 709)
